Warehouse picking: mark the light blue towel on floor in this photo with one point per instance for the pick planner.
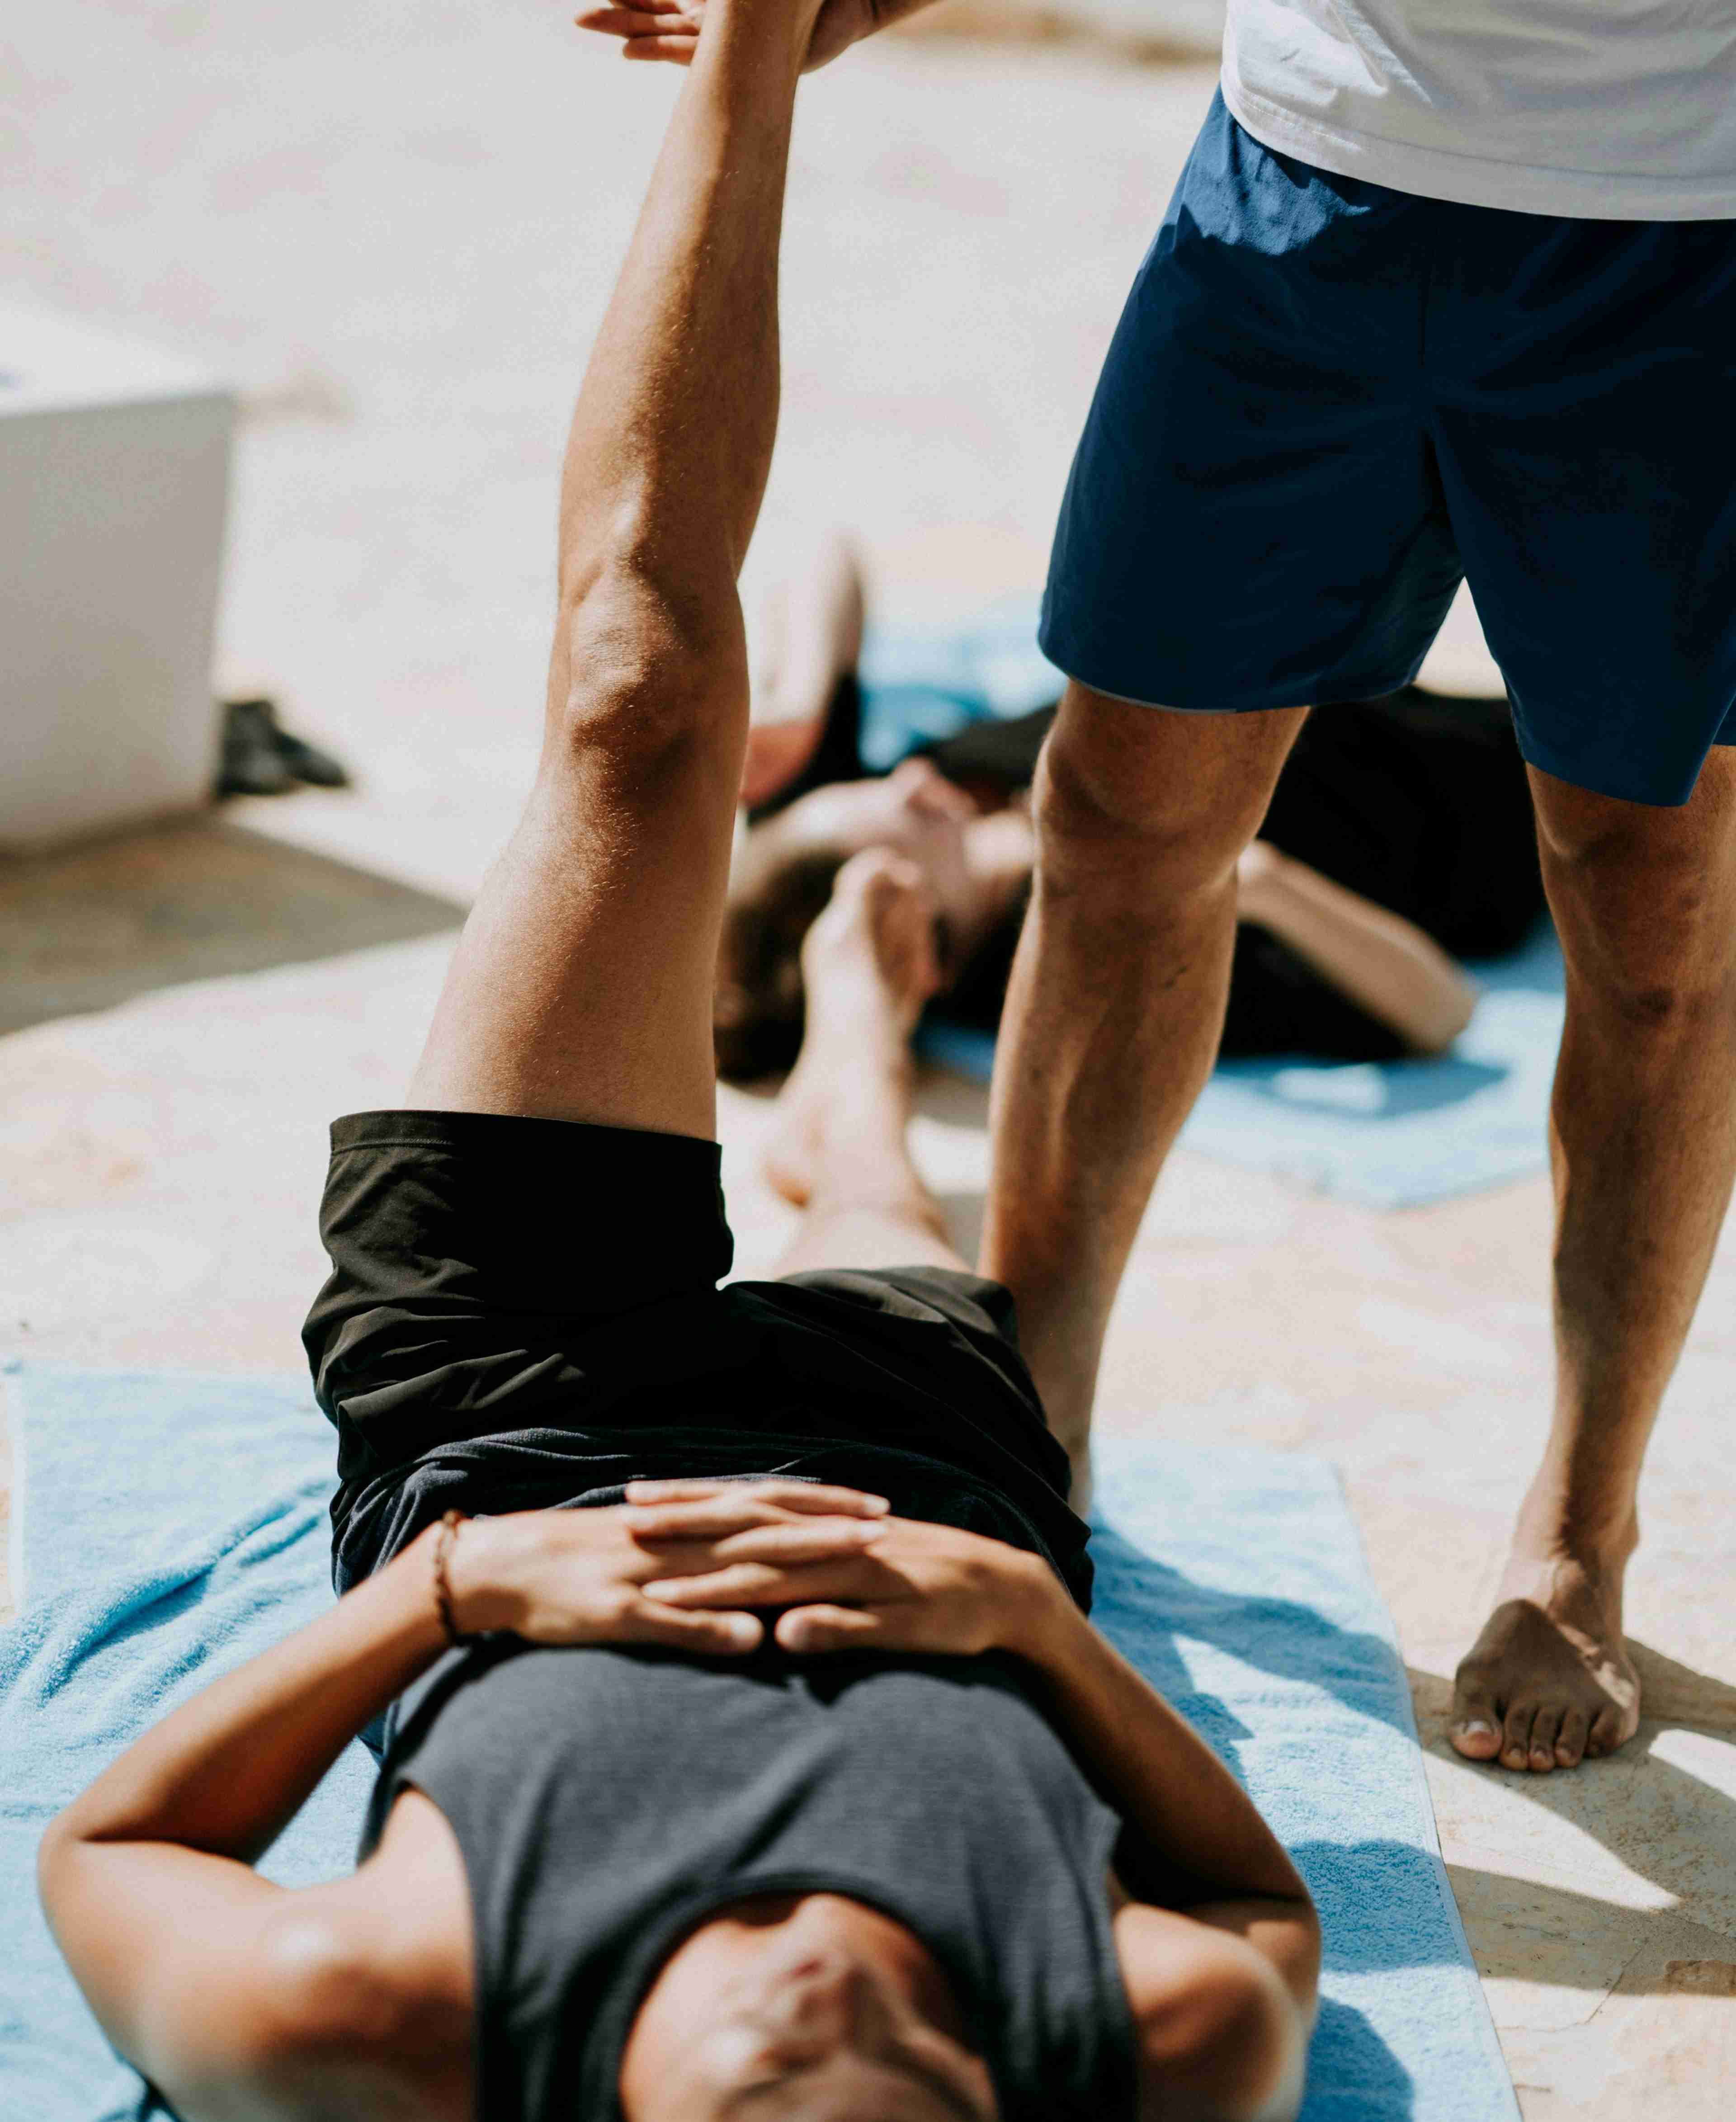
(172, 1527)
(1392, 1134)
(165, 1529)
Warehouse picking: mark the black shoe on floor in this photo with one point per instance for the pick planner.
(260, 758)
(309, 763)
(251, 763)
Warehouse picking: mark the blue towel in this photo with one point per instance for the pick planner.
(173, 1525)
(1391, 1134)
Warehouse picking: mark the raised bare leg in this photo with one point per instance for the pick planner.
(842, 1145)
(581, 987)
(1643, 1147)
(1116, 1007)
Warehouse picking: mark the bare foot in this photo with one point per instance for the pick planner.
(1549, 1682)
(868, 964)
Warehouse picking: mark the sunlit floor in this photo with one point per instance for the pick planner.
(396, 229)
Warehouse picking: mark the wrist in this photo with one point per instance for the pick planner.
(407, 1608)
(474, 1597)
(1036, 1614)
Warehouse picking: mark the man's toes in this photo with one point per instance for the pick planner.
(1543, 1741)
(1476, 1729)
(1571, 1739)
(1516, 1736)
(1606, 1733)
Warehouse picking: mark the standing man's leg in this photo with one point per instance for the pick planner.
(1115, 1006)
(1643, 1145)
(1253, 521)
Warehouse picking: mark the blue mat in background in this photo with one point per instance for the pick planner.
(168, 1527)
(1391, 1134)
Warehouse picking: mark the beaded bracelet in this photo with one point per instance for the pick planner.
(443, 1539)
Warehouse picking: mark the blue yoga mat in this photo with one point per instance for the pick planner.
(169, 1527)
(1392, 1134)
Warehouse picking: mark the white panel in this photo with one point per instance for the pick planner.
(113, 476)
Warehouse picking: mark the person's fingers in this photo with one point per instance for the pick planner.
(825, 1628)
(686, 1510)
(805, 1540)
(678, 49)
(635, 21)
(685, 1491)
(770, 1584)
(789, 1543)
(659, 14)
(647, 1621)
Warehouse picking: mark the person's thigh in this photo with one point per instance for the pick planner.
(581, 987)
(1254, 519)
(1584, 376)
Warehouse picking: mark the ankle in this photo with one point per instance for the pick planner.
(1598, 1541)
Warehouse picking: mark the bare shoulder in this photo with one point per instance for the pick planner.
(1220, 2037)
(368, 1984)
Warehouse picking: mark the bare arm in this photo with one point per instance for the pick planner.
(1379, 960)
(200, 1971)
(147, 1878)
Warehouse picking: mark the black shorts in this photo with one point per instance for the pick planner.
(524, 1314)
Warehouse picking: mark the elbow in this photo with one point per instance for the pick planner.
(1449, 1011)
(1298, 1962)
(1232, 2048)
(69, 1843)
(327, 1995)
(54, 1853)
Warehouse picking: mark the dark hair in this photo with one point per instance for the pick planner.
(759, 1003)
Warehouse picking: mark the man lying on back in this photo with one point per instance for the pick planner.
(785, 1780)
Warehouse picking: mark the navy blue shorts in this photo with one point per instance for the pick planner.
(1328, 401)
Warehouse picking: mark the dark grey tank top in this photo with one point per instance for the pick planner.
(607, 1799)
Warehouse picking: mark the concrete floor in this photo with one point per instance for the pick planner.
(396, 229)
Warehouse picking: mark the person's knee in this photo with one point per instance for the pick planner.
(1160, 805)
(653, 685)
(1645, 900)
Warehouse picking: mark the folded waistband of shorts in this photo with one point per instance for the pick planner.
(516, 1134)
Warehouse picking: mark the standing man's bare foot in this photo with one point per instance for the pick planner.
(868, 964)
(1549, 1682)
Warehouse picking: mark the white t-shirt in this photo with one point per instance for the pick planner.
(1611, 109)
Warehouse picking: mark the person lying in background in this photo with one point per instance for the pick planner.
(749, 1754)
(1399, 841)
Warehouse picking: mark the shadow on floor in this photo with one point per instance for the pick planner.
(196, 898)
(1637, 1805)
(1524, 1930)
